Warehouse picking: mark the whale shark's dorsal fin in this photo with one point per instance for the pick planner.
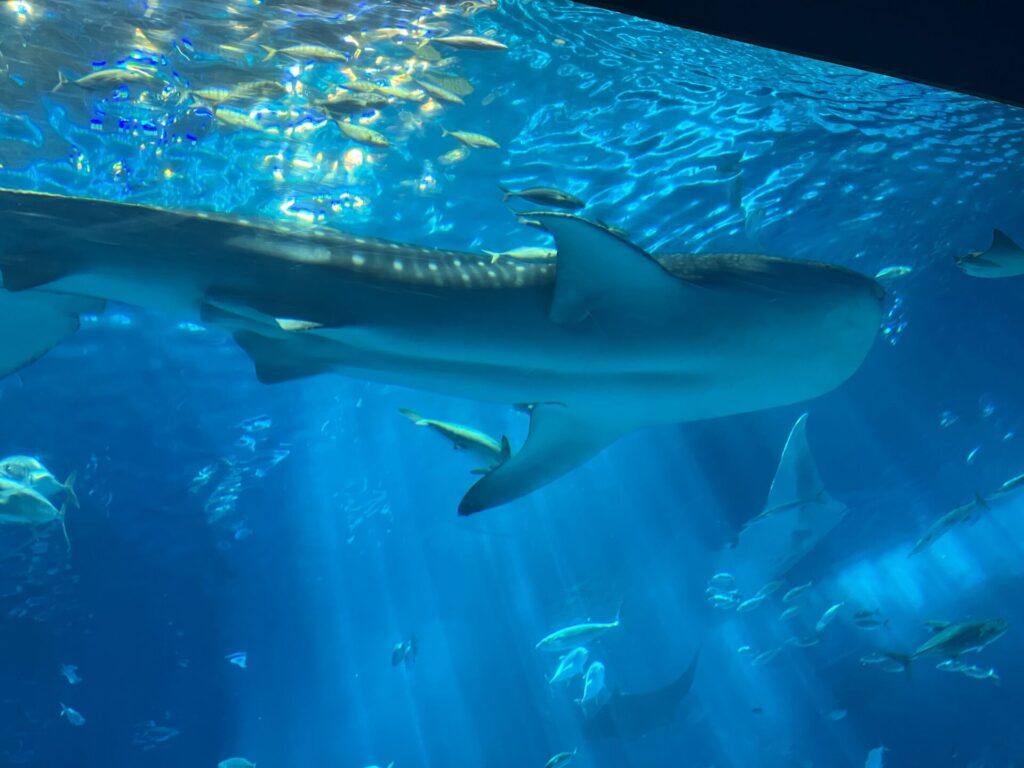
(560, 439)
(796, 479)
(599, 273)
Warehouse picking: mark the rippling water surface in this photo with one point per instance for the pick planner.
(687, 141)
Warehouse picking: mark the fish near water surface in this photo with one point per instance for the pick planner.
(613, 340)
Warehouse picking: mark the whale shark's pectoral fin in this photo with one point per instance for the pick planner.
(36, 321)
(278, 360)
(599, 274)
(560, 439)
(1003, 242)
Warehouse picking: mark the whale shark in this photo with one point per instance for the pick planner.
(798, 514)
(604, 340)
(631, 716)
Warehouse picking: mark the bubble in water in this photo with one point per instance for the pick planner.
(895, 321)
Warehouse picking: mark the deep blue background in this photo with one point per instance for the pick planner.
(351, 542)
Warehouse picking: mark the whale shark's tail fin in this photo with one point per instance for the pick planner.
(560, 439)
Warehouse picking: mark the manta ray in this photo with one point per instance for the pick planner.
(798, 514)
(605, 340)
(633, 715)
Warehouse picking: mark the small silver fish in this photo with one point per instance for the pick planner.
(73, 715)
(893, 272)
(770, 588)
(803, 642)
(874, 658)
(827, 616)
(722, 581)
(981, 674)
(560, 760)
(795, 592)
(70, 672)
(238, 658)
(750, 604)
(950, 665)
(765, 657)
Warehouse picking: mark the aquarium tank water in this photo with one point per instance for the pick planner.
(499, 383)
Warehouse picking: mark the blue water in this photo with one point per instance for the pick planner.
(312, 527)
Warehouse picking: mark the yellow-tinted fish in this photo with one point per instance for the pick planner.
(239, 118)
(470, 42)
(315, 52)
(465, 438)
(460, 86)
(475, 140)
(439, 93)
(259, 89)
(400, 93)
(454, 156)
(24, 506)
(113, 77)
(364, 135)
(346, 103)
(426, 51)
(213, 94)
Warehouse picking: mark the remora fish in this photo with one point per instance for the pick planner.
(463, 438)
(576, 635)
(1004, 258)
(617, 340)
